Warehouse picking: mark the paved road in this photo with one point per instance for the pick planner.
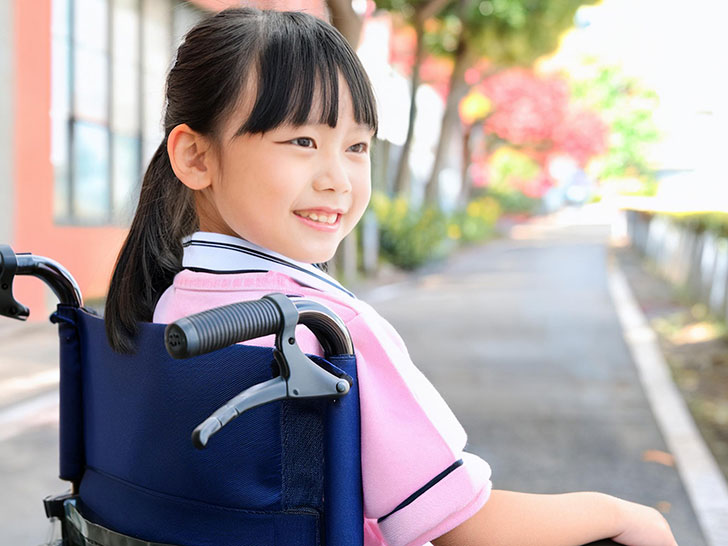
(28, 430)
(521, 338)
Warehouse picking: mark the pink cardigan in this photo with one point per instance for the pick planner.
(409, 435)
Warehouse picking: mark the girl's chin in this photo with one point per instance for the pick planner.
(314, 257)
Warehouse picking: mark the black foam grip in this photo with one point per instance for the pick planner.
(220, 327)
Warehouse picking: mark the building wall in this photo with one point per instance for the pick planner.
(6, 122)
(88, 253)
(26, 172)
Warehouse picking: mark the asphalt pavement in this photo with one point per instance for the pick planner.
(28, 429)
(519, 335)
(522, 339)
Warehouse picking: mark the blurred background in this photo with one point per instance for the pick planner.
(490, 111)
(494, 115)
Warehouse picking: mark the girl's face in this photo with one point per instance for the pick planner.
(296, 190)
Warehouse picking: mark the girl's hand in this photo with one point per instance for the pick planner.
(643, 526)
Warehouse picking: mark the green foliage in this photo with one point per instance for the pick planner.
(476, 222)
(409, 237)
(509, 171)
(699, 221)
(714, 222)
(407, 8)
(627, 107)
(508, 165)
(513, 201)
(506, 32)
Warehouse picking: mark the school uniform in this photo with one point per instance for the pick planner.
(418, 483)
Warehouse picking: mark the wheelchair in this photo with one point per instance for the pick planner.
(141, 439)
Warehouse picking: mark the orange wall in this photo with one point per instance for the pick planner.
(88, 253)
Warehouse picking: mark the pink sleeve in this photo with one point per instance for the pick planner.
(418, 482)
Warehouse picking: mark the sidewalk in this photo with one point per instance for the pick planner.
(694, 456)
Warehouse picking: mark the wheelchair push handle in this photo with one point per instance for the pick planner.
(58, 279)
(220, 327)
(223, 326)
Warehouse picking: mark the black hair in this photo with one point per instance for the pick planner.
(282, 57)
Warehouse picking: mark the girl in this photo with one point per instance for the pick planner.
(263, 171)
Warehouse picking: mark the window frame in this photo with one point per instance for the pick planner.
(65, 123)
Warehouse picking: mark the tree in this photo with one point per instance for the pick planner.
(627, 107)
(508, 33)
(538, 113)
(536, 118)
(346, 20)
(415, 12)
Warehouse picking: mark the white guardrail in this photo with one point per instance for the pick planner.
(697, 262)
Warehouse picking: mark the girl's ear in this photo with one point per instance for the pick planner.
(190, 155)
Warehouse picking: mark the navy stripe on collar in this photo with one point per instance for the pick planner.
(198, 240)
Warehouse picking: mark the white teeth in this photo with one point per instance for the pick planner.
(322, 218)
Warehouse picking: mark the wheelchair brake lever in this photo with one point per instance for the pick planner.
(257, 395)
(300, 377)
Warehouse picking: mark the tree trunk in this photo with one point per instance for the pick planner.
(464, 177)
(402, 178)
(380, 165)
(450, 119)
(346, 20)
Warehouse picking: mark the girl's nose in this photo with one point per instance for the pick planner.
(333, 177)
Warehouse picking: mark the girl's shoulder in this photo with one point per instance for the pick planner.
(196, 291)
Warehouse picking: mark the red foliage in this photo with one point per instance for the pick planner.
(581, 135)
(474, 74)
(436, 72)
(526, 109)
(402, 48)
(534, 113)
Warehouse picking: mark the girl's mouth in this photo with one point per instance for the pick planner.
(325, 219)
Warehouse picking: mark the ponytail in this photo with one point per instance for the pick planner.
(152, 252)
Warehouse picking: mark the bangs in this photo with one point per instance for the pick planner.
(300, 59)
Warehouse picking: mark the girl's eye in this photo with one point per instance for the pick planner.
(304, 142)
(359, 148)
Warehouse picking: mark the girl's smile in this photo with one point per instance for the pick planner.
(319, 218)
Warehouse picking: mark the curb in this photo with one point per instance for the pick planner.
(703, 480)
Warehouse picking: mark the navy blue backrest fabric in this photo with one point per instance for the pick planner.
(139, 413)
(343, 485)
(259, 481)
(72, 459)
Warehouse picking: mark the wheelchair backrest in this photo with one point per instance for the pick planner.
(287, 472)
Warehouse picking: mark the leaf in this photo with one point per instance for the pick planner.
(657, 456)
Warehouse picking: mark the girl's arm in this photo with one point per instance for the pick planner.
(571, 519)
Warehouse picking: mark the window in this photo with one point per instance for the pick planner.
(109, 62)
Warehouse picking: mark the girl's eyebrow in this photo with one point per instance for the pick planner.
(317, 123)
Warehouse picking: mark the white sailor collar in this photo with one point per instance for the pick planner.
(218, 253)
